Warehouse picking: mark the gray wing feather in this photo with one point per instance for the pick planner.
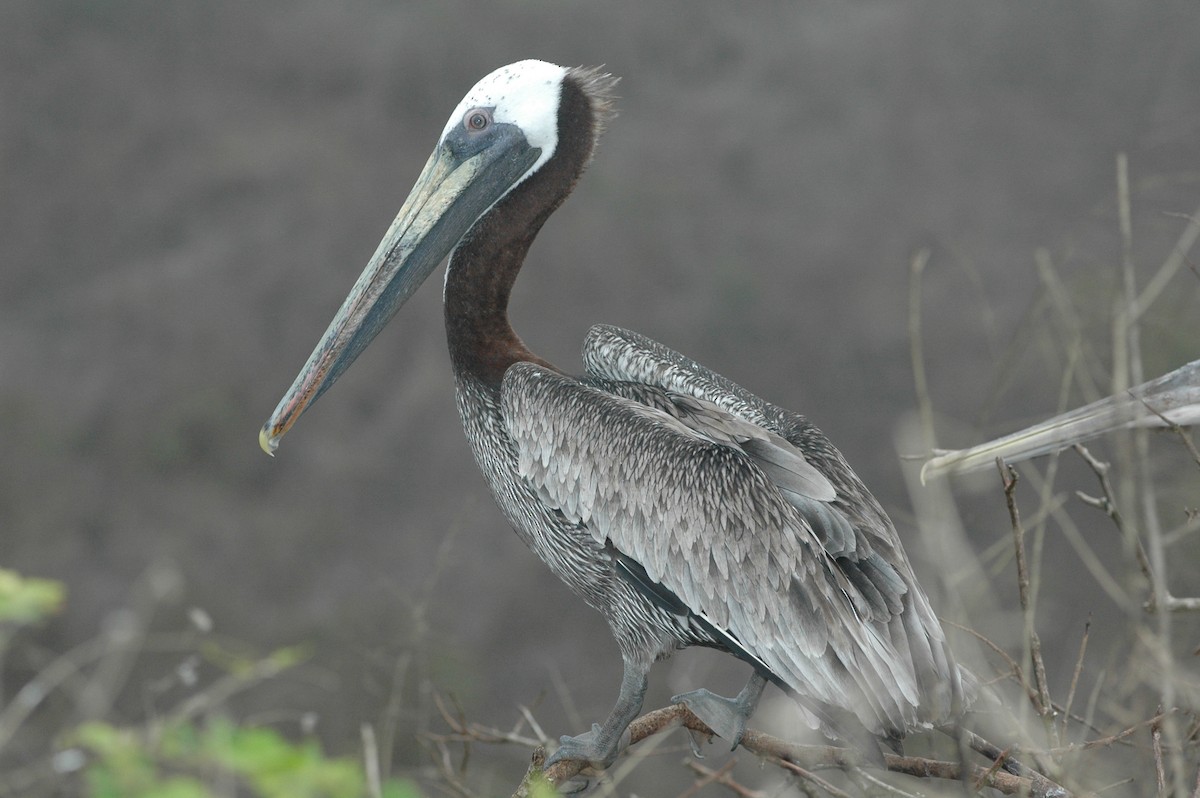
(802, 485)
(853, 527)
(705, 521)
(784, 463)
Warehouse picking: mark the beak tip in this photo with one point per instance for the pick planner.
(267, 441)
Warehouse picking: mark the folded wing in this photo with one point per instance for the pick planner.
(730, 516)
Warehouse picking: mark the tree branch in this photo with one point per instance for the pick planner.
(800, 760)
(1044, 706)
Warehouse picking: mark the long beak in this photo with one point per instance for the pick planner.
(449, 196)
(1172, 399)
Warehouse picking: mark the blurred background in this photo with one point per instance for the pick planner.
(188, 190)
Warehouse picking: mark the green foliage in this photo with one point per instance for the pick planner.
(180, 760)
(249, 666)
(540, 788)
(189, 759)
(26, 600)
(124, 766)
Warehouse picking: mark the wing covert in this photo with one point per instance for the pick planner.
(703, 520)
(853, 525)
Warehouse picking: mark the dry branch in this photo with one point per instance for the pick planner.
(1043, 705)
(803, 759)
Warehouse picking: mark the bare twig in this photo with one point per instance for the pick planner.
(808, 775)
(1104, 742)
(444, 761)
(1015, 668)
(48, 679)
(463, 731)
(1045, 708)
(1160, 280)
(1178, 430)
(371, 761)
(1160, 772)
(534, 726)
(1188, 443)
(1108, 504)
(721, 776)
(978, 783)
(1087, 628)
(1000, 780)
(916, 267)
(1114, 785)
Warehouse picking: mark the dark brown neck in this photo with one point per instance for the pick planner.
(482, 342)
(483, 268)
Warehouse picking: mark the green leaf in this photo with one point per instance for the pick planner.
(399, 789)
(27, 600)
(121, 766)
(275, 766)
(178, 787)
(128, 763)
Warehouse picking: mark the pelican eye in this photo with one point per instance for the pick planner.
(477, 119)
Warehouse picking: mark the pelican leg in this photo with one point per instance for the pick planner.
(725, 716)
(601, 745)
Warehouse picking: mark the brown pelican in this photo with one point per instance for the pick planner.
(681, 506)
(1170, 400)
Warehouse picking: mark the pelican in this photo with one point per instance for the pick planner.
(682, 507)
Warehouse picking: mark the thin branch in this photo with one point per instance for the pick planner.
(1087, 629)
(534, 726)
(722, 776)
(1104, 742)
(1044, 706)
(1156, 285)
(977, 784)
(808, 775)
(463, 731)
(916, 268)
(1019, 677)
(371, 761)
(800, 759)
(1015, 668)
(1109, 505)
(1160, 772)
(1176, 428)
(873, 786)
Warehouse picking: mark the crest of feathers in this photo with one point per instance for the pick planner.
(600, 89)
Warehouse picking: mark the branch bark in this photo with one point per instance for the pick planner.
(795, 757)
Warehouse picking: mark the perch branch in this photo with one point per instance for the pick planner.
(799, 759)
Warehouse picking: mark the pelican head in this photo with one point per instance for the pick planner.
(503, 131)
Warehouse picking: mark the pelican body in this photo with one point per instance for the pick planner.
(682, 507)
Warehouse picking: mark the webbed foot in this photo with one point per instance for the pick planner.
(725, 716)
(595, 747)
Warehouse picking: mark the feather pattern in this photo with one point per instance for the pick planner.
(742, 511)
